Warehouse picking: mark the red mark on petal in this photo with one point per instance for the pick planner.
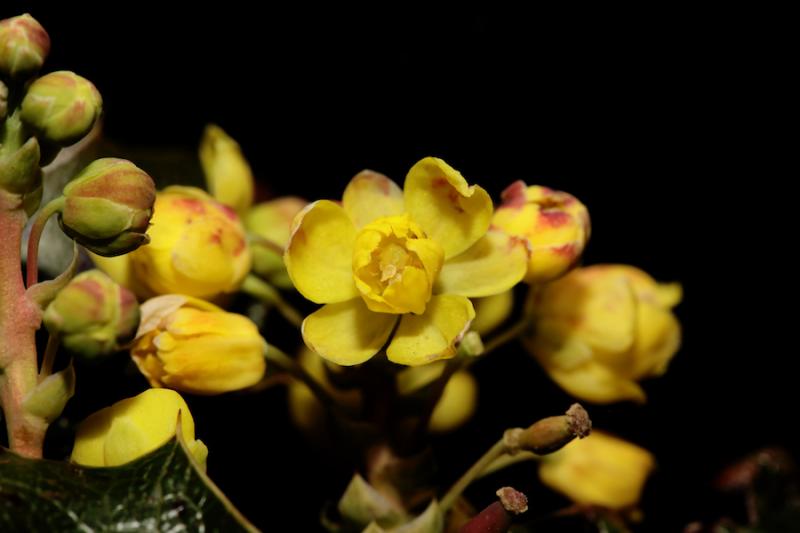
(240, 246)
(454, 198)
(440, 182)
(190, 204)
(216, 237)
(552, 218)
(228, 212)
(514, 195)
(566, 250)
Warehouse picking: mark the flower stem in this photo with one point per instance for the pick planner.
(20, 317)
(513, 332)
(37, 226)
(497, 450)
(265, 292)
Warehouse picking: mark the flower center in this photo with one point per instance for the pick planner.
(395, 265)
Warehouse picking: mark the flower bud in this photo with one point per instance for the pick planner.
(458, 401)
(198, 247)
(491, 311)
(600, 329)
(271, 222)
(551, 433)
(3, 100)
(555, 224)
(598, 470)
(24, 45)
(107, 207)
(193, 346)
(134, 427)
(61, 107)
(228, 175)
(93, 315)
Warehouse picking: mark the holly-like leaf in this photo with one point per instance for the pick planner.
(162, 491)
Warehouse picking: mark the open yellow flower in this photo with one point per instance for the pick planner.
(135, 427)
(599, 470)
(600, 329)
(386, 255)
(194, 346)
(198, 247)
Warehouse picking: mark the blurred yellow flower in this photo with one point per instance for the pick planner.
(409, 258)
(555, 224)
(492, 311)
(459, 397)
(600, 329)
(599, 470)
(271, 224)
(228, 175)
(198, 247)
(135, 427)
(193, 346)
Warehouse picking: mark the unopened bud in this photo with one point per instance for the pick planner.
(551, 433)
(3, 100)
(93, 315)
(19, 170)
(107, 207)
(24, 45)
(61, 107)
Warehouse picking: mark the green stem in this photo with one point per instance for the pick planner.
(265, 292)
(504, 461)
(19, 319)
(450, 497)
(37, 226)
(286, 363)
(513, 332)
(49, 357)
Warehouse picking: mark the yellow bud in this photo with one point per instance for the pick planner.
(555, 224)
(491, 311)
(228, 174)
(395, 265)
(458, 400)
(24, 45)
(598, 470)
(193, 346)
(599, 330)
(197, 247)
(135, 427)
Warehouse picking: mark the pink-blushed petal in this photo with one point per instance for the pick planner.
(347, 333)
(450, 211)
(319, 256)
(492, 265)
(370, 196)
(433, 335)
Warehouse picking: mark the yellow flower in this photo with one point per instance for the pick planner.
(135, 427)
(598, 470)
(554, 223)
(271, 223)
(193, 346)
(387, 255)
(600, 329)
(459, 397)
(198, 247)
(228, 175)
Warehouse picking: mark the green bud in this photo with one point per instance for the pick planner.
(61, 107)
(48, 399)
(24, 45)
(107, 207)
(93, 314)
(268, 263)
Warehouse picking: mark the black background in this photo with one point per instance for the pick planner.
(661, 122)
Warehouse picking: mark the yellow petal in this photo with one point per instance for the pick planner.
(492, 311)
(347, 333)
(658, 337)
(370, 196)
(421, 339)
(319, 256)
(596, 383)
(90, 439)
(450, 211)
(458, 402)
(156, 310)
(227, 172)
(598, 470)
(492, 265)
